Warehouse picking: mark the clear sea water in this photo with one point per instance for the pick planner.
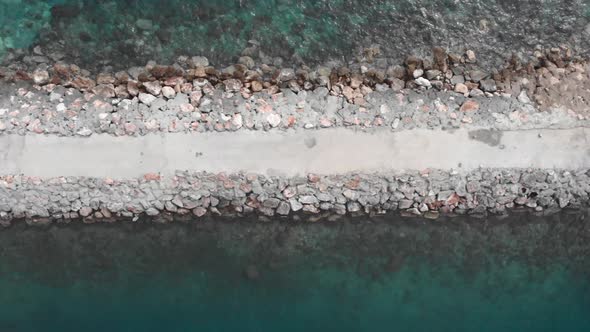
(121, 33)
(520, 274)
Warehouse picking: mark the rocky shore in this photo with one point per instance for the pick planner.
(442, 91)
(429, 193)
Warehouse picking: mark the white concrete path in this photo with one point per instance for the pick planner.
(327, 151)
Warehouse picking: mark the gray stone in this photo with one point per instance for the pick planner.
(457, 79)
(85, 211)
(284, 208)
(405, 204)
(198, 61)
(477, 75)
(199, 211)
(421, 81)
(524, 98)
(325, 197)
(433, 74)
(308, 199)
(271, 203)
(488, 85)
(152, 212)
(146, 98)
(168, 92)
(353, 207)
(295, 205)
(286, 74)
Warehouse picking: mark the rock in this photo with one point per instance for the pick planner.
(286, 74)
(237, 121)
(61, 107)
(186, 108)
(272, 203)
(440, 58)
(353, 207)
(146, 98)
(488, 85)
(273, 119)
(295, 205)
(153, 87)
(461, 88)
(84, 132)
(85, 211)
(130, 128)
(397, 84)
(469, 106)
(396, 71)
(418, 73)
(152, 212)
(437, 84)
(289, 192)
(247, 61)
(325, 197)
(433, 74)
(83, 83)
(283, 209)
(356, 81)
(421, 81)
(457, 79)
(351, 194)
(256, 86)
(198, 61)
(476, 93)
(104, 78)
(477, 75)
(524, 98)
(54, 96)
(168, 92)
(104, 90)
(199, 211)
(121, 92)
(470, 56)
(132, 88)
(195, 97)
(40, 77)
(232, 85)
(308, 199)
(405, 204)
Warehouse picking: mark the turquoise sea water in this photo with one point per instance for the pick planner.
(468, 275)
(115, 32)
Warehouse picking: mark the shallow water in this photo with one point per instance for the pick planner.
(129, 32)
(521, 274)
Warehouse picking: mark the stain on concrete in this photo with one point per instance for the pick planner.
(489, 137)
(310, 142)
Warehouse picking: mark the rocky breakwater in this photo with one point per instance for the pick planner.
(428, 193)
(445, 91)
(442, 91)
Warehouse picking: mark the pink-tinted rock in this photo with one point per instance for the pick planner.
(469, 106)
